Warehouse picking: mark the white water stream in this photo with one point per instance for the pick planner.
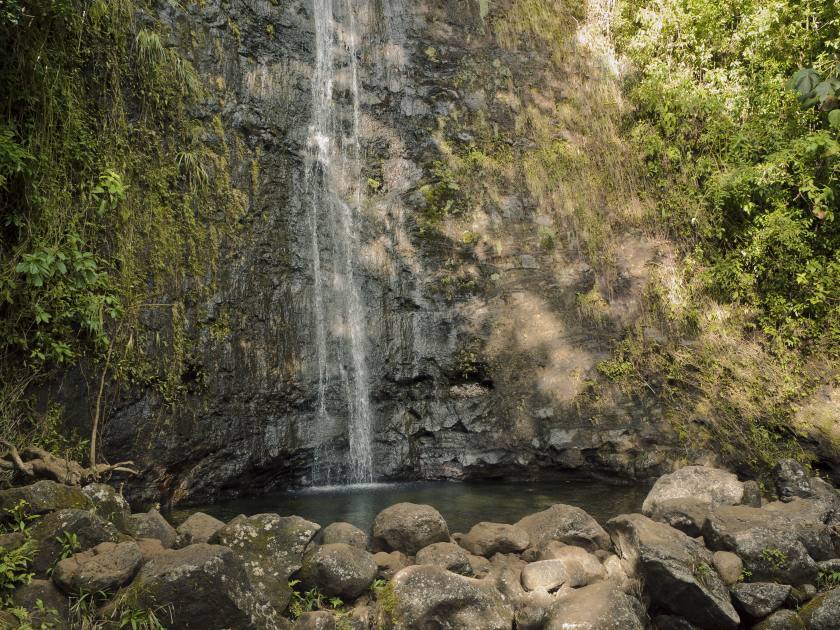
(335, 196)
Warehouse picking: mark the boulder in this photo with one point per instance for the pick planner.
(685, 514)
(479, 566)
(152, 525)
(770, 540)
(615, 573)
(271, 548)
(548, 575)
(344, 533)
(582, 567)
(567, 524)
(432, 597)
(752, 494)
(486, 539)
(702, 483)
(800, 595)
(53, 533)
(781, 620)
(149, 548)
(676, 570)
(315, 620)
(728, 565)
(759, 599)
(531, 610)
(505, 573)
(822, 612)
(672, 622)
(109, 504)
(447, 555)
(600, 606)
(388, 564)
(338, 570)
(203, 586)
(54, 611)
(408, 527)
(198, 528)
(104, 568)
(792, 480)
(43, 497)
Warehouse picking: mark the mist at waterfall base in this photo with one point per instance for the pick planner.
(461, 504)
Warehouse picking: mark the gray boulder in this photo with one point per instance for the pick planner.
(198, 528)
(759, 599)
(822, 612)
(109, 504)
(151, 524)
(677, 571)
(338, 570)
(54, 611)
(582, 567)
(729, 566)
(315, 620)
(447, 555)
(781, 620)
(408, 527)
(672, 622)
(567, 524)
(600, 606)
(486, 539)
(770, 541)
(701, 483)
(104, 568)
(43, 497)
(685, 514)
(203, 586)
(548, 575)
(792, 480)
(344, 533)
(388, 564)
(432, 597)
(52, 535)
(271, 548)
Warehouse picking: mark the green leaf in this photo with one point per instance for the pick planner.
(834, 118)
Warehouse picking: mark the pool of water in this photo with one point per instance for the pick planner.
(461, 504)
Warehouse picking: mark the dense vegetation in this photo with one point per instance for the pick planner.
(738, 124)
(103, 196)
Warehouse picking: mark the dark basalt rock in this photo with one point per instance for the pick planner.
(407, 527)
(43, 497)
(759, 599)
(676, 570)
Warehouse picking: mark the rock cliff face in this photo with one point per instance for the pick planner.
(486, 309)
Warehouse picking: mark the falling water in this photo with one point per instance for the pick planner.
(335, 195)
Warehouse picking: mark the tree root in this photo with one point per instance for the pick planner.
(36, 463)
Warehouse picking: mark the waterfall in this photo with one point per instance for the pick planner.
(335, 195)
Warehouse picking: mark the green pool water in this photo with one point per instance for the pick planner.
(461, 504)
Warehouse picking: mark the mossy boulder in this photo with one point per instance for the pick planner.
(109, 504)
(68, 531)
(338, 570)
(271, 549)
(151, 524)
(43, 497)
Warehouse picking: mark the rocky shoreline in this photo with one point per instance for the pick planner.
(708, 551)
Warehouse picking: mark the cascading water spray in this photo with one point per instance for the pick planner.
(334, 203)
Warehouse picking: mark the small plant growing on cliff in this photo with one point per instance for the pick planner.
(703, 572)
(69, 544)
(776, 558)
(20, 516)
(14, 570)
(828, 579)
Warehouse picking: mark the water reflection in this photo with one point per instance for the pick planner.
(462, 504)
